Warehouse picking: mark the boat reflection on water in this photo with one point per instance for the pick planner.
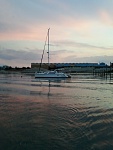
(52, 79)
(47, 84)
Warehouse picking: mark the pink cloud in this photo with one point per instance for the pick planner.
(31, 32)
(105, 17)
(78, 24)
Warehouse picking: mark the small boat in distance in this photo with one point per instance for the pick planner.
(50, 74)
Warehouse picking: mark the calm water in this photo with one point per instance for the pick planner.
(73, 114)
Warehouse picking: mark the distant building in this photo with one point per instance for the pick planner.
(66, 65)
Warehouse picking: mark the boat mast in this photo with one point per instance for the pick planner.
(48, 48)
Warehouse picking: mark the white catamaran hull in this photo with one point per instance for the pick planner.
(51, 74)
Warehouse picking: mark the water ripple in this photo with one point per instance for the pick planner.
(66, 114)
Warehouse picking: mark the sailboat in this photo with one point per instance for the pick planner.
(50, 74)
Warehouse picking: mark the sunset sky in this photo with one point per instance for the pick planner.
(80, 31)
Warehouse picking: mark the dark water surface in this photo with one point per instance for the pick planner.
(73, 114)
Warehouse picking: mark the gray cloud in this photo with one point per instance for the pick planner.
(9, 54)
(97, 59)
(82, 45)
(19, 57)
(25, 58)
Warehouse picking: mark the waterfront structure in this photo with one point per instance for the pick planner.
(67, 65)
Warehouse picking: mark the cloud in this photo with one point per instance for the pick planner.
(82, 45)
(20, 57)
(10, 54)
(26, 57)
(80, 28)
(106, 59)
(29, 19)
(106, 17)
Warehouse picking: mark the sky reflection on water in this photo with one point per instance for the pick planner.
(65, 114)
